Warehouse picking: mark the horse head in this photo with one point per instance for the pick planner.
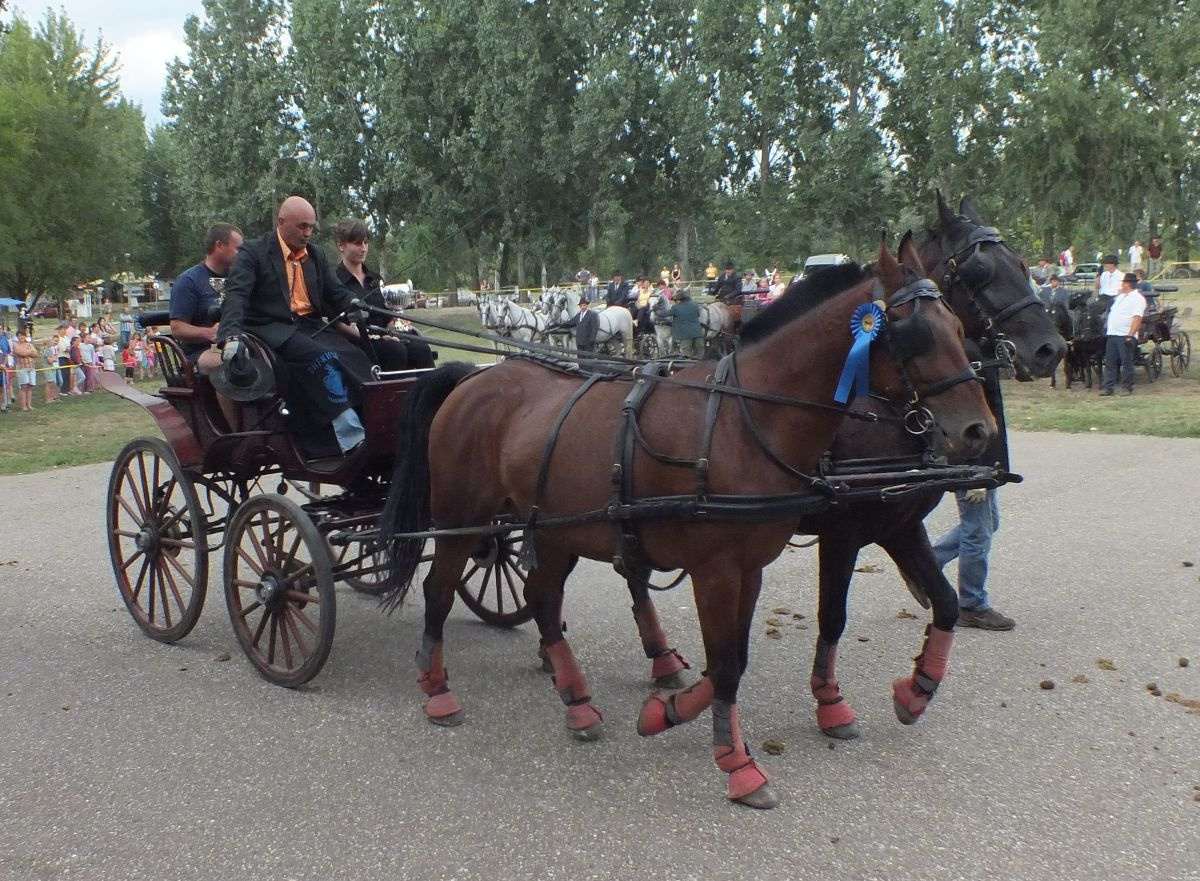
(987, 284)
(927, 365)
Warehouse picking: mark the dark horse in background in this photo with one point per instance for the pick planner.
(1083, 323)
(986, 283)
(755, 432)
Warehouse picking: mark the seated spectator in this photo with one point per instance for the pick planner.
(391, 353)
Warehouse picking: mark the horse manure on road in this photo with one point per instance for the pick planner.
(1105, 664)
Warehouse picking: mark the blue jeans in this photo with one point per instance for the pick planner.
(1118, 350)
(971, 541)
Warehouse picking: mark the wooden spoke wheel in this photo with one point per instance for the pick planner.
(279, 589)
(493, 586)
(647, 346)
(157, 539)
(1181, 353)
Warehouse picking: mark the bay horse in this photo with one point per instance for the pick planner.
(753, 431)
(986, 283)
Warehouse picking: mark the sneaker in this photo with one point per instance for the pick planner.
(985, 619)
(1106, 394)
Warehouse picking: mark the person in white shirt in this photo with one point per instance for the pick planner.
(1135, 256)
(1108, 282)
(1124, 319)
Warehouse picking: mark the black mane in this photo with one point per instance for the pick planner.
(801, 296)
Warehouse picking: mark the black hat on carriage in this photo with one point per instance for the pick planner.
(1110, 258)
(244, 377)
(583, 300)
(617, 272)
(729, 264)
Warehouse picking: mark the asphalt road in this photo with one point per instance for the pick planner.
(121, 758)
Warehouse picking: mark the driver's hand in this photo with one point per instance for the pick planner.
(229, 350)
(976, 496)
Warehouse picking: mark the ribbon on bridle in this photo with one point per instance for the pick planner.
(866, 324)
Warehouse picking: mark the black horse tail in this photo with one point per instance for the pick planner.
(408, 503)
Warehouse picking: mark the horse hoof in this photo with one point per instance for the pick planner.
(843, 732)
(590, 734)
(903, 713)
(451, 721)
(763, 798)
(672, 681)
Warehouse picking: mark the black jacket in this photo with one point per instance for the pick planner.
(587, 326)
(729, 289)
(258, 295)
(616, 295)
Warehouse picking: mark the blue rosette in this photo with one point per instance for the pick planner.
(866, 324)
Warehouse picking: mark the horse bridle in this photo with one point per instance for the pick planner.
(969, 267)
(909, 337)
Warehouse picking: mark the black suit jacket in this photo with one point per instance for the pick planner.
(258, 294)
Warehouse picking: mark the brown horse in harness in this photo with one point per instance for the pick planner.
(709, 477)
(986, 283)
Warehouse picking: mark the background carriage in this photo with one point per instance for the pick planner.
(233, 479)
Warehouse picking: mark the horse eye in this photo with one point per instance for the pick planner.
(976, 271)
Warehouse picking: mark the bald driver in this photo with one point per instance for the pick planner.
(284, 291)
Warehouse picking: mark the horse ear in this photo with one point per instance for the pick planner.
(888, 269)
(967, 209)
(909, 255)
(946, 215)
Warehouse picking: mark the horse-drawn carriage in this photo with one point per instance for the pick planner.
(1082, 322)
(1161, 334)
(235, 477)
(708, 470)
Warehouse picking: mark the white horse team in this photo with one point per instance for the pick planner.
(548, 321)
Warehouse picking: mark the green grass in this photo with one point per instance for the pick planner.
(94, 428)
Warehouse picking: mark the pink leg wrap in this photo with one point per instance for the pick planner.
(913, 693)
(835, 715)
(433, 681)
(832, 709)
(732, 756)
(668, 663)
(660, 713)
(572, 687)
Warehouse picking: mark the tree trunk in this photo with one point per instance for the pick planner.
(521, 271)
(1182, 254)
(591, 224)
(1048, 244)
(681, 244)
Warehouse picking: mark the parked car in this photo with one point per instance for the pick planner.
(1085, 273)
(818, 260)
(45, 310)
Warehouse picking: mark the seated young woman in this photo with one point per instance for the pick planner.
(391, 353)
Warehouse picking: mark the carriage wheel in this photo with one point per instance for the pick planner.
(279, 589)
(1154, 361)
(1181, 353)
(494, 583)
(157, 539)
(647, 348)
(1179, 272)
(366, 573)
